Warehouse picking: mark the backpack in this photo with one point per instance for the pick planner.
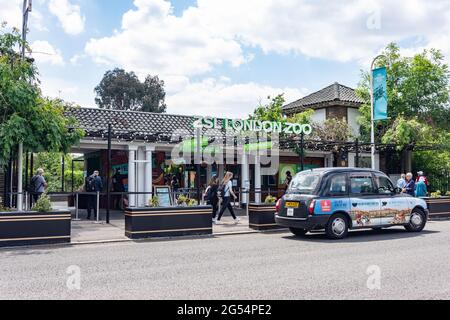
(32, 188)
(222, 190)
(90, 184)
(211, 193)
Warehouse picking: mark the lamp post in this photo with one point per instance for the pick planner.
(372, 121)
(27, 5)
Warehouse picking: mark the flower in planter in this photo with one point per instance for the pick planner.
(270, 200)
(154, 202)
(192, 202)
(436, 194)
(43, 205)
(182, 200)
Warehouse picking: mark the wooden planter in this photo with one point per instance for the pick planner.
(262, 217)
(168, 222)
(33, 228)
(439, 207)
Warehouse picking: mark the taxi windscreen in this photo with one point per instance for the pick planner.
(304, 182)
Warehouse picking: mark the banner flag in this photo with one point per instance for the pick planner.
(380, 103)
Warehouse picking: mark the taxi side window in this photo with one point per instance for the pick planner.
(362, 184)
(337, 185)
(385, 185)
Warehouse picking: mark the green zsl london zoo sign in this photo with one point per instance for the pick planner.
(250, 125)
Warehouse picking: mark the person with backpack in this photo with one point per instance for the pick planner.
(37, 184)
(225, 192)
(93, 184)
(211, 197)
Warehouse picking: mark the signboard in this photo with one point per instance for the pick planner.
(250, 125)
(380, 102)
(164, 195)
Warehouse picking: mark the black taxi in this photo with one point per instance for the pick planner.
(339, 199)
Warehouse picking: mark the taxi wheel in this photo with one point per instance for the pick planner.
(337, 227)
(298, 232)
(417, 221)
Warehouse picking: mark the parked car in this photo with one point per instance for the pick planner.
(339, 199)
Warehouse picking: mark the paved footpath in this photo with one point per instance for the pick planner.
(251, 266)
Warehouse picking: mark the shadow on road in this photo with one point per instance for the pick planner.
(362, 236)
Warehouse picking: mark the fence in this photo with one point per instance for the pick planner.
(440, 182)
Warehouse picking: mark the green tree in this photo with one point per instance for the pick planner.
(272, 111)
(121, 90)
(418, 90)
(332, 130)
(154, 95)
(51, 162)
(25, 116)
(417, 87)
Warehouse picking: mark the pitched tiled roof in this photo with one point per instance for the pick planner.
(132, 124)
(336, 92)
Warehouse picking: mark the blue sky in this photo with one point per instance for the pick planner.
(222, 57)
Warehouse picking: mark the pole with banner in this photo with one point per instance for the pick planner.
(378, 98)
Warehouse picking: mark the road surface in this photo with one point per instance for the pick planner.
(387, 264)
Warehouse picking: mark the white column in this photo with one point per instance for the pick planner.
(140, 177)
(132, 174)
(148, 172)
(257, 179)
(19, 177)
(244, 176)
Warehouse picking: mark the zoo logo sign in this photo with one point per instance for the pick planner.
(250, 125)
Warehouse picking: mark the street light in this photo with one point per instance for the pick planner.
(372, 121)
(27, 6)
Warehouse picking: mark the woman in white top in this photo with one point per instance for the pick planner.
(227, 186)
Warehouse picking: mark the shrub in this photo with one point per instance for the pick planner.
(154, 202)
(271, 200)
(43, 204)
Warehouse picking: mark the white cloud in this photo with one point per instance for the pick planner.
(219, 97)
(11, 12)
(153, 40)
(69, 16)
(44, 52)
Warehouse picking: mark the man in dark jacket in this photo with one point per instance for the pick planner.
(93, 184)
(410, 185)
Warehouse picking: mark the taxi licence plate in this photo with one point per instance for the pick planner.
(294, 205)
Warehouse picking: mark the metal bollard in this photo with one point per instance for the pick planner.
(77, 218)
(26, 201)
(98, 208)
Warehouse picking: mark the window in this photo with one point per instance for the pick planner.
(337, 185)
(362, 184)
(384, 184)
(304, 182)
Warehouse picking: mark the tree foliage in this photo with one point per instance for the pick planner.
(272, 111)
(51, 163)
(332, 130)
(418, 87)
(25, 115)
(121, 90)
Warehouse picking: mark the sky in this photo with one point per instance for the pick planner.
(222, 58)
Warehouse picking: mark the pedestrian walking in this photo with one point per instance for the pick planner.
(421, 189)
(401, 183)
(38, 184)
(226, 191)
(212, 197)
(93, 184)
(422, 177)
(410, 185)
(287, 181)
